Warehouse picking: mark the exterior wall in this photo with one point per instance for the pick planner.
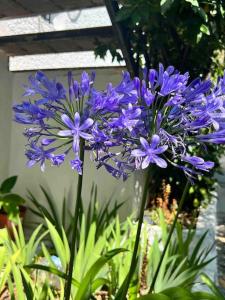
(5, 115)
(62, 179)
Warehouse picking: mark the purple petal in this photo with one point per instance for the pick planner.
(31, 163)
(46, 142)
(76, 164)
(160, 161)
(65, 133)
(66, 120)
(155, 141)
(193, 160)
(76, 120)
(144, 143)
(160, 149)
(138, 153)
(88, 123)
(76, 144)
(209, 164)
(85, 135)
(145, 162)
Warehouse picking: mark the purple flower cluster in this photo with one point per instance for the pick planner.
(126, 127)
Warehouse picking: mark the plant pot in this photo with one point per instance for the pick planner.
(6, 223)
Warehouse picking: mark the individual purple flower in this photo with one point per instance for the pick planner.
(37, 154)
(128, 118)
(76, 164)
(49, 90)
(28, 113)
(76, 130)
(217, 137)
(58, 159)
(150, 152)
(199, 162)
(147, 95)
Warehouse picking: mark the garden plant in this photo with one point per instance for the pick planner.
(130, 126)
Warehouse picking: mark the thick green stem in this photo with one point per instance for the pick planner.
(170, 236)
(137, 239)
(74, 228)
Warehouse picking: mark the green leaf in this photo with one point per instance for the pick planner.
(98, 283)
(204, 296)
(58, 243)
(26, 285)
(178, 293)
(52, 271)
(52, 206)
(154, 297)
(8, 184)
(10, 204)
(193, 2)
(212, 286)
(204, 29)
(18, 282)
(44, 292)
(165, 5)
(84, 290)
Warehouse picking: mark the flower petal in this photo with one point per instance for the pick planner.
(144, 143)
(76, 120)
(145, 162)
(160, 149)
(85, 135)
(65, 133)
(87, 123)
(76, 144)
(160, 161)
(155, 141)
(66, 120)
(31, 163)
(138, 153)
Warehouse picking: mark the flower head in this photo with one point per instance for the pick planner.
(127, 126)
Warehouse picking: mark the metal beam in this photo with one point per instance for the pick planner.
(57, 41)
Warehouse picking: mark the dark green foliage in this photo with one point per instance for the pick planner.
(10, 202)
(183, 33)
(199, 193)
(8, 184)
(100, 214)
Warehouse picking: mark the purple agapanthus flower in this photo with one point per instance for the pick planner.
(150, 152)
(76, 164)
(199, 162)
(76, 130)
(49, 90)
(38, 155)
(127, 126)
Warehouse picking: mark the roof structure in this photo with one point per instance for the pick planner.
(24, 8)
(68, 39)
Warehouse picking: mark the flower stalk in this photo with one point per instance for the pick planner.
(75, 225)
(138, 235)
(169, 236)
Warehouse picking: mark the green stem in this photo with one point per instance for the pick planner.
(170, 236)
(74, 228)
(137, 239)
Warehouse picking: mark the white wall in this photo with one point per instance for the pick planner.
(5, 116)
(62, 178)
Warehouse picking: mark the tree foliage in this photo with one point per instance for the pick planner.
(187, 34)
